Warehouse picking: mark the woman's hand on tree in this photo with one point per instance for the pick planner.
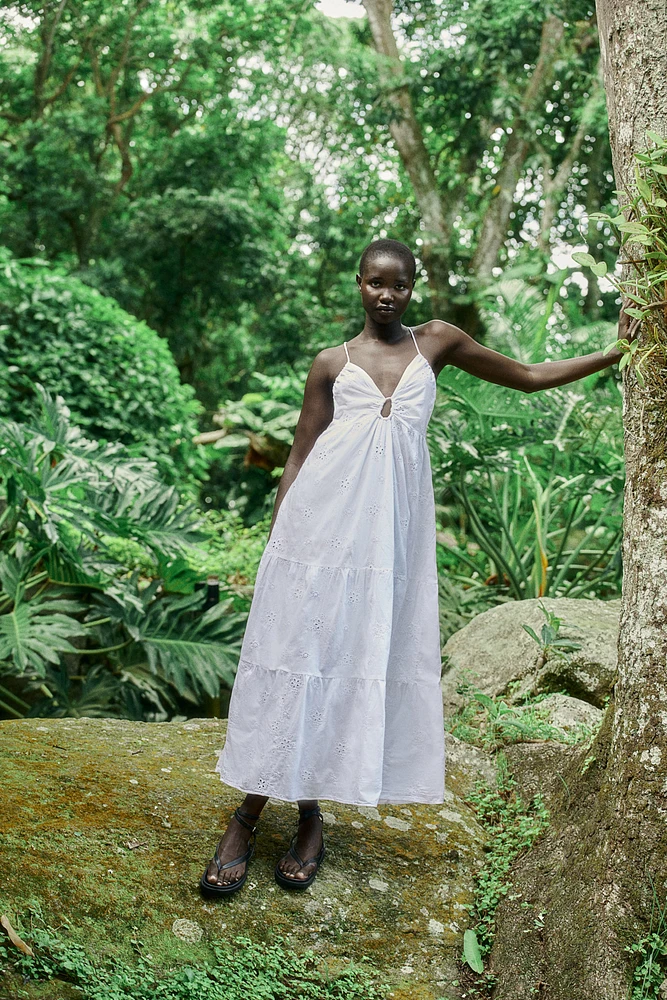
(627, 329)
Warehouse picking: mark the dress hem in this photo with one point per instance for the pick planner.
(332, 798)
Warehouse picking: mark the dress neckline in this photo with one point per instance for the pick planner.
(353, 364)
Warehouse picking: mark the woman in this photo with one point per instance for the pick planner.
(337, 692)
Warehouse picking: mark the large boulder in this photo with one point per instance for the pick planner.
(109, 824)
(496, 655)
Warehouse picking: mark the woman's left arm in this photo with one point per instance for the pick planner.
(463, 352)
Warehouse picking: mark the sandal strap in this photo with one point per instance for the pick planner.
(239, 817)
(244, 858)
(314, 860)
(308, 813)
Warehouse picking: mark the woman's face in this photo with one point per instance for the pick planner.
(386, 288)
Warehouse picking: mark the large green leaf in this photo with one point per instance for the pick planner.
(36, 631)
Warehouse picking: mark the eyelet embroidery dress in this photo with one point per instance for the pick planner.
(337, 694)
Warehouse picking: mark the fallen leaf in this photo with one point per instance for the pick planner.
(14, 938)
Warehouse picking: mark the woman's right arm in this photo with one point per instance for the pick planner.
(316, 415)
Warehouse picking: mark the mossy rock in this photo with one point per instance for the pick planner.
(108, 825)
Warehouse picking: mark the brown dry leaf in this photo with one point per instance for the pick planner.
(14, 938)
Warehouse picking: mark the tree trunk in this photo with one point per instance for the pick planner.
(407, 134)
(591, 877)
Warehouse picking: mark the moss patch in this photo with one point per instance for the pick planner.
(108, 824)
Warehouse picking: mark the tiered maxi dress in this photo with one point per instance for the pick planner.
(337, 694)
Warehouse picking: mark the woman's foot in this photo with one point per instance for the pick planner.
(308, 845)
(233, 844)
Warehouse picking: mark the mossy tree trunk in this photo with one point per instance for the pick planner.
(590, 880)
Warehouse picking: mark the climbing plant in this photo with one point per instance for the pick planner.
(641, 231)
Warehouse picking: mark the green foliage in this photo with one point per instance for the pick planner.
(490, 723)
(232, 551)
(259, 428)
(641, 232)
(512, 827)
(235, 972)
(117, 374)
(217, 167)
(79, 633)
(650, 955)
(530, 490)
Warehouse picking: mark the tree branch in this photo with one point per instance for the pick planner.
(42, 67)
(496, 218)
(407, 135)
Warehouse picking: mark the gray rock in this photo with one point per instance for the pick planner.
(496, 655)
(571, 714)
(538, 768)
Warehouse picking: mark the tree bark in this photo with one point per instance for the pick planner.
(407, 134)
(592, 876)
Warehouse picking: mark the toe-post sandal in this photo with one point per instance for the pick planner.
(302, 883)
(212, 888)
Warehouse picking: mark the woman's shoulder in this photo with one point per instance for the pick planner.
(436, 338)
(328, 362)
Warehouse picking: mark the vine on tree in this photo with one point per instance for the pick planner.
(641, 230)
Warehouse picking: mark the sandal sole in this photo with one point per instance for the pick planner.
(211, 889)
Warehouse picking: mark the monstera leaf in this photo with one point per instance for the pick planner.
(33, 632)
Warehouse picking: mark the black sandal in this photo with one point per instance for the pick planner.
(211, 888)
(301, 883)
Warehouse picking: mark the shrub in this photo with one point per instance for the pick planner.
(117, 375)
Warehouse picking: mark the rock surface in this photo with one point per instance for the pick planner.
(538, 768)
(571, 714)
(493, 652)
(110, 824)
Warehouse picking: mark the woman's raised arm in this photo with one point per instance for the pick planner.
(463, 352)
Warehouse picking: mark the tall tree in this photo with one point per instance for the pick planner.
(407, 134)
(595, 874)
(506, 82)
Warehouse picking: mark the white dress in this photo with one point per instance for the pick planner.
(337, 694)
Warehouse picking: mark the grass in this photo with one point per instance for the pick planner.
(235, 972)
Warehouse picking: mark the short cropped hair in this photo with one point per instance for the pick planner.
(388, 248)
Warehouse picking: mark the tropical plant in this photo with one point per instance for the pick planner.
(530, 490)
(79, 632)
(640, 230)
(259, 427)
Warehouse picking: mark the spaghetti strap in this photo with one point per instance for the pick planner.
(413, 337)
(346, 350)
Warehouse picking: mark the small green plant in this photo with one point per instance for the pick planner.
(548, 640)
(490, 723)
(513, 825)
(238, 971)
(650, 952)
